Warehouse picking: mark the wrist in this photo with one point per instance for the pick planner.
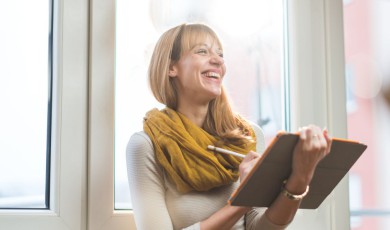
(292, 195)
(297, 185)
(241, 209)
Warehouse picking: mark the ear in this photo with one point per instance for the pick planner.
(172, 70)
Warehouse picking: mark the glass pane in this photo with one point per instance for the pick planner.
(24, 103)
(367, 50)
(251, 32)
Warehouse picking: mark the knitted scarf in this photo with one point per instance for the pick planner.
(181, 148)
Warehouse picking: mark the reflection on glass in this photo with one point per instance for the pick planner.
(251, 32)
(367, 50)
(24, 101)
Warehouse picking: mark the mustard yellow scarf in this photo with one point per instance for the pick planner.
(181, 148)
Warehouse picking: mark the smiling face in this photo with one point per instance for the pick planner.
(199, 72)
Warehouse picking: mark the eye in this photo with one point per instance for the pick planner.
(202, 51)
(219, 52)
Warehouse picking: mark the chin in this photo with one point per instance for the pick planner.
(214, 95)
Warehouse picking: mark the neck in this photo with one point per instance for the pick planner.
(194, 112)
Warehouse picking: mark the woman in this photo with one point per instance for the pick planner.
(175, 182)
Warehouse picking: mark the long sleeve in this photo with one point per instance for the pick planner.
(146, 180)
(256, 220)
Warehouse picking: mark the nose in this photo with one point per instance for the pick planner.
(216, 59)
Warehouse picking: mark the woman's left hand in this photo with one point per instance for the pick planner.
(313, 145)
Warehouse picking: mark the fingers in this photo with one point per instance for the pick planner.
(251, 156)
(312, 147)
(247, 163)
(328, 139)
(315, 140)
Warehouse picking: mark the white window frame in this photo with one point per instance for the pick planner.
(101, 214)
(318, 95)
(69, 127)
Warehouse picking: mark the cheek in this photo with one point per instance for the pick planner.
(186, 69)
(223, 71)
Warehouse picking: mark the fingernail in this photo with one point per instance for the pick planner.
(302, 135)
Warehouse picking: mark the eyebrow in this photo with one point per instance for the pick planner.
(206, 45)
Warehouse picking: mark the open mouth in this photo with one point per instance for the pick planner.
(211, 75)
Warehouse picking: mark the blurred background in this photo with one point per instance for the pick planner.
(257, 80)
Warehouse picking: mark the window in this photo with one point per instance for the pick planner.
(82, 131)
(25, 97)
(367, 49)
(68, 130)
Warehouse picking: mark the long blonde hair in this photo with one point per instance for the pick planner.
(220, 120)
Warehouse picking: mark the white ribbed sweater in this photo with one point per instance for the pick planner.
(158, 205)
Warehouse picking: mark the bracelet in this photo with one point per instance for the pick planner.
(293, 196)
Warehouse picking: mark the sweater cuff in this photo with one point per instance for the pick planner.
(195, 226)
(267, 224)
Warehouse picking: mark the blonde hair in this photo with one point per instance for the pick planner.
(220, 120)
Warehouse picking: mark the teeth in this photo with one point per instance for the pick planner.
(212, 74)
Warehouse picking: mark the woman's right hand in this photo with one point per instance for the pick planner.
(247, 164)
